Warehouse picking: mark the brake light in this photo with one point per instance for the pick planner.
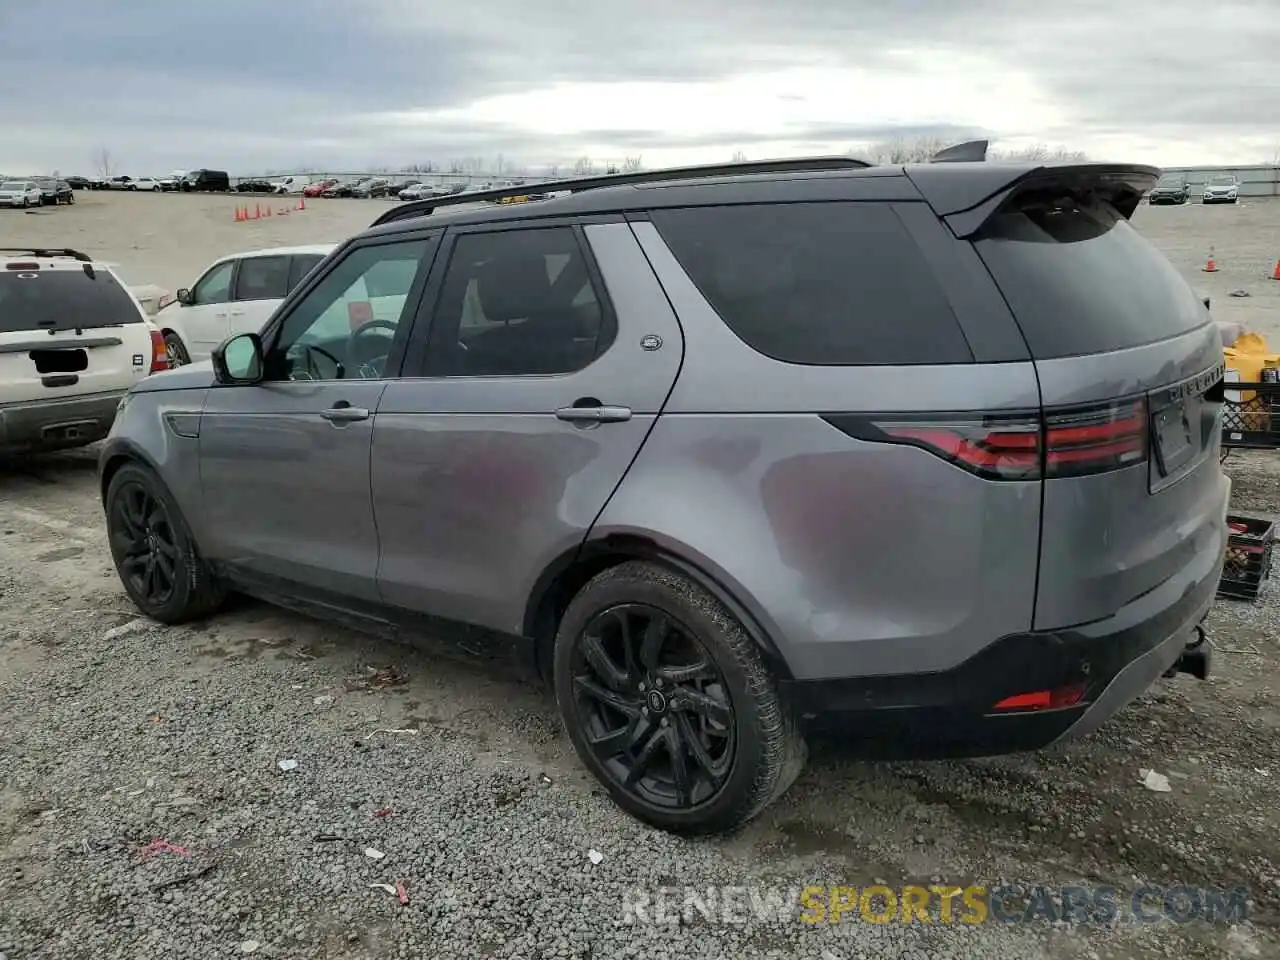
(159, 352)
(1095, 439)
(1070, 442)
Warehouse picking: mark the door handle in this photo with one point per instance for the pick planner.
(599, 413)
(343, 412)
(237, 313)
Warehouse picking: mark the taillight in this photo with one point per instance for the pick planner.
(159, 352)
(997, 448)
(1021, 446)
(1095, 439)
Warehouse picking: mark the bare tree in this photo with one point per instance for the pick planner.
(499, 164)
(457, 166)
(739, 157)
(583, 166)
(426, 167)
(104, 162)
(553, 170)
(632, 164)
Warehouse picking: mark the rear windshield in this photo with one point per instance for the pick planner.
(63, 300)
(1080, 279)
(13, 185)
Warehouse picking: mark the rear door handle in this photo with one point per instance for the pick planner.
(595, 414)
(343, 412)
(237, 313)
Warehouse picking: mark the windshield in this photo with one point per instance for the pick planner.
(1169, 181)
(13, 185)
(63, 300)
(1223, 180)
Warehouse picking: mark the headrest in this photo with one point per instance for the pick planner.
(513, 289)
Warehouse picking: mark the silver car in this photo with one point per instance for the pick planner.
(925, 454)
(20, 193)
(1221, 188)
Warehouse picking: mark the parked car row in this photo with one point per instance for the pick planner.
(1174, 188)
(184, 181)
(35, 192)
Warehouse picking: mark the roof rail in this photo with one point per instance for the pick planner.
(967, 152)
(421, 208)
(50, 252)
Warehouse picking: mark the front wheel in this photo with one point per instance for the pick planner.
(154, 552)
(669, 703)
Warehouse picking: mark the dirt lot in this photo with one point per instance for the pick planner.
(118, 732)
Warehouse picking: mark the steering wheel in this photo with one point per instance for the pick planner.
(312, 371)
(370, 367)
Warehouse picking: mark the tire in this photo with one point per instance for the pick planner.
(137, 502)
(71, 198)
(731, 710)
(178, 355)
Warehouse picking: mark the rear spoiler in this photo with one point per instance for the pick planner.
(967, 202)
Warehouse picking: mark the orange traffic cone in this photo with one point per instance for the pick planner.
(1210, 265)
(302, 204)
(1276, 274)
(238, 215)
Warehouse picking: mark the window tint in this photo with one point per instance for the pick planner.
(215, 286)
(817, 283)
(518, 303)
(319, 340)
(302, 264)
(63, 300)
(1080, 279)
(262, 278)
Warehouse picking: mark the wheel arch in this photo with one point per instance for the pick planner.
(565, 576)
(115, 456)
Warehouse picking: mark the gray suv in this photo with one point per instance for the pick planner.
(928, 455)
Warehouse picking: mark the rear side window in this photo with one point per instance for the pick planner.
(63, 300)
(262, 278)
(1080, 279)
(817, 283)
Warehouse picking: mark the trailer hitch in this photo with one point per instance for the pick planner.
(1195, 656)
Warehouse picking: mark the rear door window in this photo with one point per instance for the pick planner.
(262, 278)
(63, 300)
(817, 283)
(1080, 279)
(302, 264)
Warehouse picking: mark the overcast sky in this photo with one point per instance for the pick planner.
(255, 85)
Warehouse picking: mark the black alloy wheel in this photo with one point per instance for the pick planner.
(144, 541)
(654, 707)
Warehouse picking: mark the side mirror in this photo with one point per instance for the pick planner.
(185, 298)
(238, 359)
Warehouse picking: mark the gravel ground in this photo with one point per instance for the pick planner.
(119, 732)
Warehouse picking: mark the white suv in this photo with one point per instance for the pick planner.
(73, 340)
(236, 294)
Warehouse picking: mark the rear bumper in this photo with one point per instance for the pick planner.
(949, 714)
(57, 424)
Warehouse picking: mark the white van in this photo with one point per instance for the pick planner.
(290, 184)
(236, 294)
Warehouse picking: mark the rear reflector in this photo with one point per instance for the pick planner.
(1069, 442)
(159, 352)
(1044, 699)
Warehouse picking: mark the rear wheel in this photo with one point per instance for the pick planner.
(154, 552)
(669, 704)
(174, 348)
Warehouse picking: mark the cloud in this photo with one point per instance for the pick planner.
(344, 84)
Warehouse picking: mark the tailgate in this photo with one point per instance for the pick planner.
(1130, 371)
(69, 332)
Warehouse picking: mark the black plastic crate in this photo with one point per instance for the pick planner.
(1253, 422)
(1248, 560)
